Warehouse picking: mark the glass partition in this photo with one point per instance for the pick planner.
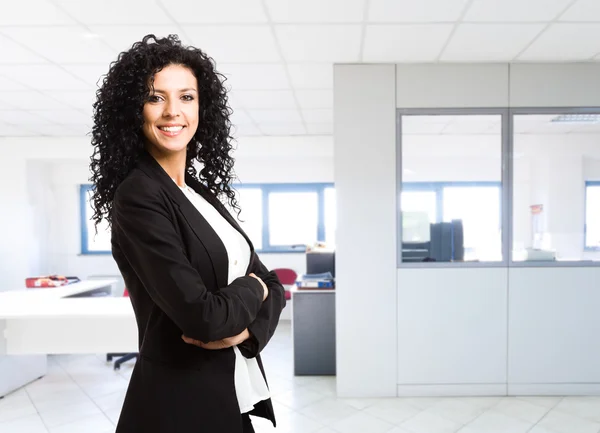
(451, 188)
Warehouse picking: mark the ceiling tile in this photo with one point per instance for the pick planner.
(56, 130)
(7, 84)
(396, 43)
(311, 76)
(21, 118)
(91, 74)
(489, 42)
(79, 100)
(316, 11)
(235, 44)
(515, 10)
(30, 99)
(318, 116)
(32, 13)
(254, 77)
(319, 43)
(282, 129)
(63, 117)
(315, 98)
(212, 12)
(62, 44)
(121, 38)
(240, 117)
(275, 116)
(12, 52)
(245, 130)
(43, 77)
(80, 130)
(273, 99)
(583, 10)
(412, 11)
(115, 12)
(320, 128)
(565, 42)
(14, 131)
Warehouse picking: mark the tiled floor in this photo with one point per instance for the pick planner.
(82, 394)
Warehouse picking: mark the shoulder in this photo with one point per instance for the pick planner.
(138, 188)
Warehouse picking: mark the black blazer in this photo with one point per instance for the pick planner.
(175, 268)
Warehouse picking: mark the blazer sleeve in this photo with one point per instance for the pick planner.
(262, 329)
(149, 241)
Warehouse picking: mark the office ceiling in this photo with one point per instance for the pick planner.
(277, 54)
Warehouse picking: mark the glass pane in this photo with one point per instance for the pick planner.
(419, 210)
(330, 217)
(293, 218)
(446, 159)
(100, 241)
(592, 217)
(554, 156)
(478, 207)
(251, 216)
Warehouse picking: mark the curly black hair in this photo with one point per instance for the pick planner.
(117, 131)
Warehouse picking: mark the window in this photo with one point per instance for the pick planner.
(276, 217)
(92, 242)
(291, 216)
(451, 191)
(592, 215)
(556, 169)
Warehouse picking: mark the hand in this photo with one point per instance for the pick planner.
(220, 344)
(265, 289)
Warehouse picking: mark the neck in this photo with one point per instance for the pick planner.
(172, 163)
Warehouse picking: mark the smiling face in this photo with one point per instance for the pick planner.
(171, 113)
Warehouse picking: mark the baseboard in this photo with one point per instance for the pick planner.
(454, 390)
(554, 389)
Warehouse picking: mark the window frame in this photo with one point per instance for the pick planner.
(588, 183)
(265, 188)
(84, 189)
(505, 178)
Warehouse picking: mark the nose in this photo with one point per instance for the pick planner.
(171, 108)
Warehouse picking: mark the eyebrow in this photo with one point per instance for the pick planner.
(188, 89)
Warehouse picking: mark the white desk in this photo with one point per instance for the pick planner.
(36, 322)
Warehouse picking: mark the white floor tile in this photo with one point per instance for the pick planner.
(299, 398)
(496, 422)
(582, 407)
(91, 424)
(16, 406)
(328, 411)
(459, 411)
(548, 402)
(362, 422)
(521, 409)
(27, 424)
(427, 422)
(69, 413)
(392, 410)
(561, 422)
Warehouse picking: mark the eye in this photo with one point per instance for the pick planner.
(187, 97)
(154, 98)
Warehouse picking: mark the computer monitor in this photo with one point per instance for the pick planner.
(320, 262)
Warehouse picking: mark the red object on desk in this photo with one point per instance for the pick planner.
(49, 281)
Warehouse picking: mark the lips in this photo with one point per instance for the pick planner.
(170, 130)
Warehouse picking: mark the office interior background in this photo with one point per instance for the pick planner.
(448, 150)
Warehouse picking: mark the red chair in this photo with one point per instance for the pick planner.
(287, 277)
(122, 357)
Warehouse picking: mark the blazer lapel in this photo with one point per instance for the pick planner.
(201, 228)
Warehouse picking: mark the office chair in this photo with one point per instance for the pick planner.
(287, 277)
(122, 357)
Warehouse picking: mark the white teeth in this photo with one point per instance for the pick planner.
(171, 128)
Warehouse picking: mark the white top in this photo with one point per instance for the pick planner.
(250, 385)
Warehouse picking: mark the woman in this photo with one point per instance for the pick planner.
(205, 305)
